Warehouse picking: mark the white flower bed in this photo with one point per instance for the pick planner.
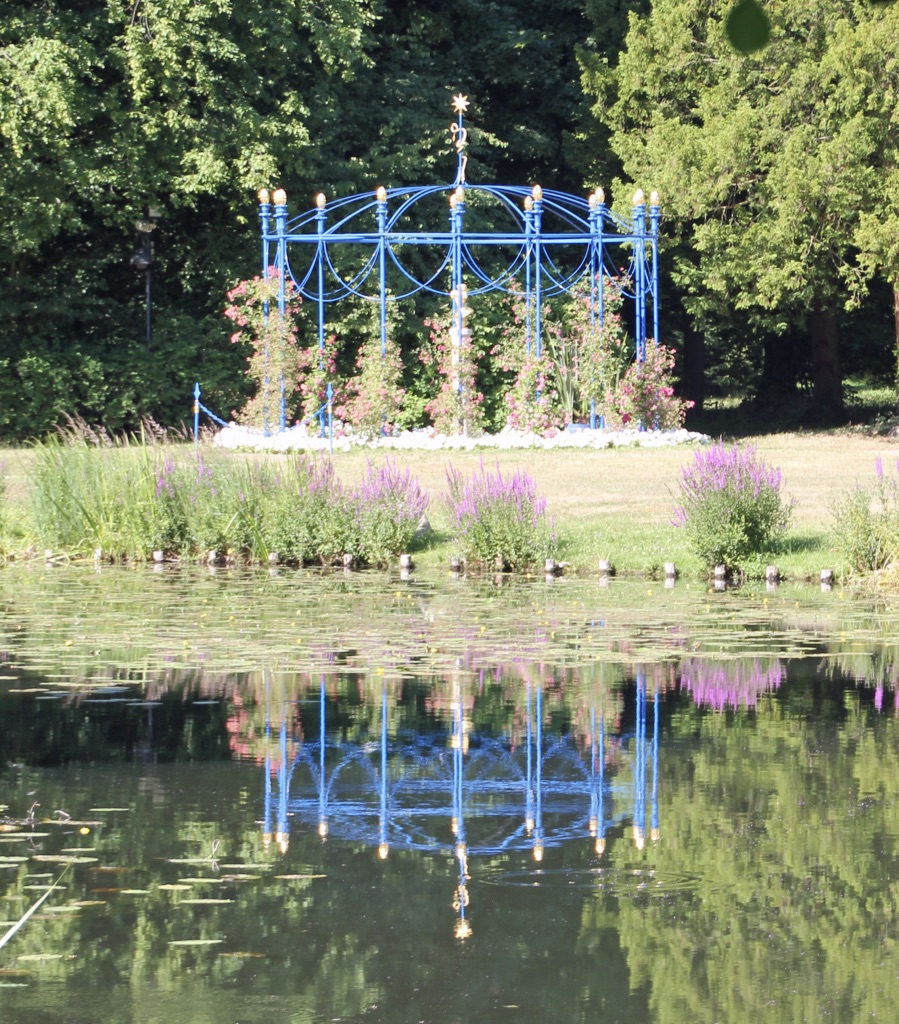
(300, 439)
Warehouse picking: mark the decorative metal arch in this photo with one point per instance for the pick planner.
(389, 245)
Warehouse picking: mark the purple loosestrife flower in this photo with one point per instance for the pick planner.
(389, 504)
(498, 519)
(320, 478)
(732, 506)
(164, 483)
(389, 484)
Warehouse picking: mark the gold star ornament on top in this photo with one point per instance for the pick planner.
(460, 103)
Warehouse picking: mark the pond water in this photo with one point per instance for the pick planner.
(311, 798)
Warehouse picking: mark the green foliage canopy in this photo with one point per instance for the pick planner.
(771, 163)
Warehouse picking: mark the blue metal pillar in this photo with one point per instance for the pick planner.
(281, 829)
(280, 198)
(601, 212)
(383, 847)
(528, 263)
(639, 768)
(537, 193)
(322, 781)
(321, 202)
(654, 807)
(529, 790)
(457, 293)
(264, 214)
(381, 212)
(640, 274)
(267, 786)
(655, 216)
(538, 817)
(460, 901)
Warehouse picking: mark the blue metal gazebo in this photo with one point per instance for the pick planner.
(393, 243)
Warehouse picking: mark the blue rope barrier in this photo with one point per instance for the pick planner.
(213, 416)
(318, 414)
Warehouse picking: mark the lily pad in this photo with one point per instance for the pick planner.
(64, 858)
(204, 902)
(192, 942)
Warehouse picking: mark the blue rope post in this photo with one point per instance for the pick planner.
(196, 413)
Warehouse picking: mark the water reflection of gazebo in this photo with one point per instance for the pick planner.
(461, 793)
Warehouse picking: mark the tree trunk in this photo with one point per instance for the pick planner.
(777, 383)
(827, 379)
(694, 367)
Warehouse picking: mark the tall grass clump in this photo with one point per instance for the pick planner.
(129, 499)
(389, 507)
(90, 491)
(732, 506)
(498, 521)
(866, 523)
(307, 514)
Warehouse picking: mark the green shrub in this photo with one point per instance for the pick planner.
(732, 507)
(389, 506)
(866, 524)
(498, 521)
(130, 498)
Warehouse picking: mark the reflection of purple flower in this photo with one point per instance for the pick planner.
(730, 684)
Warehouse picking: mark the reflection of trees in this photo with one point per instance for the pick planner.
(877, 668)
(780, 829)
(115, 724)
(787, 827)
